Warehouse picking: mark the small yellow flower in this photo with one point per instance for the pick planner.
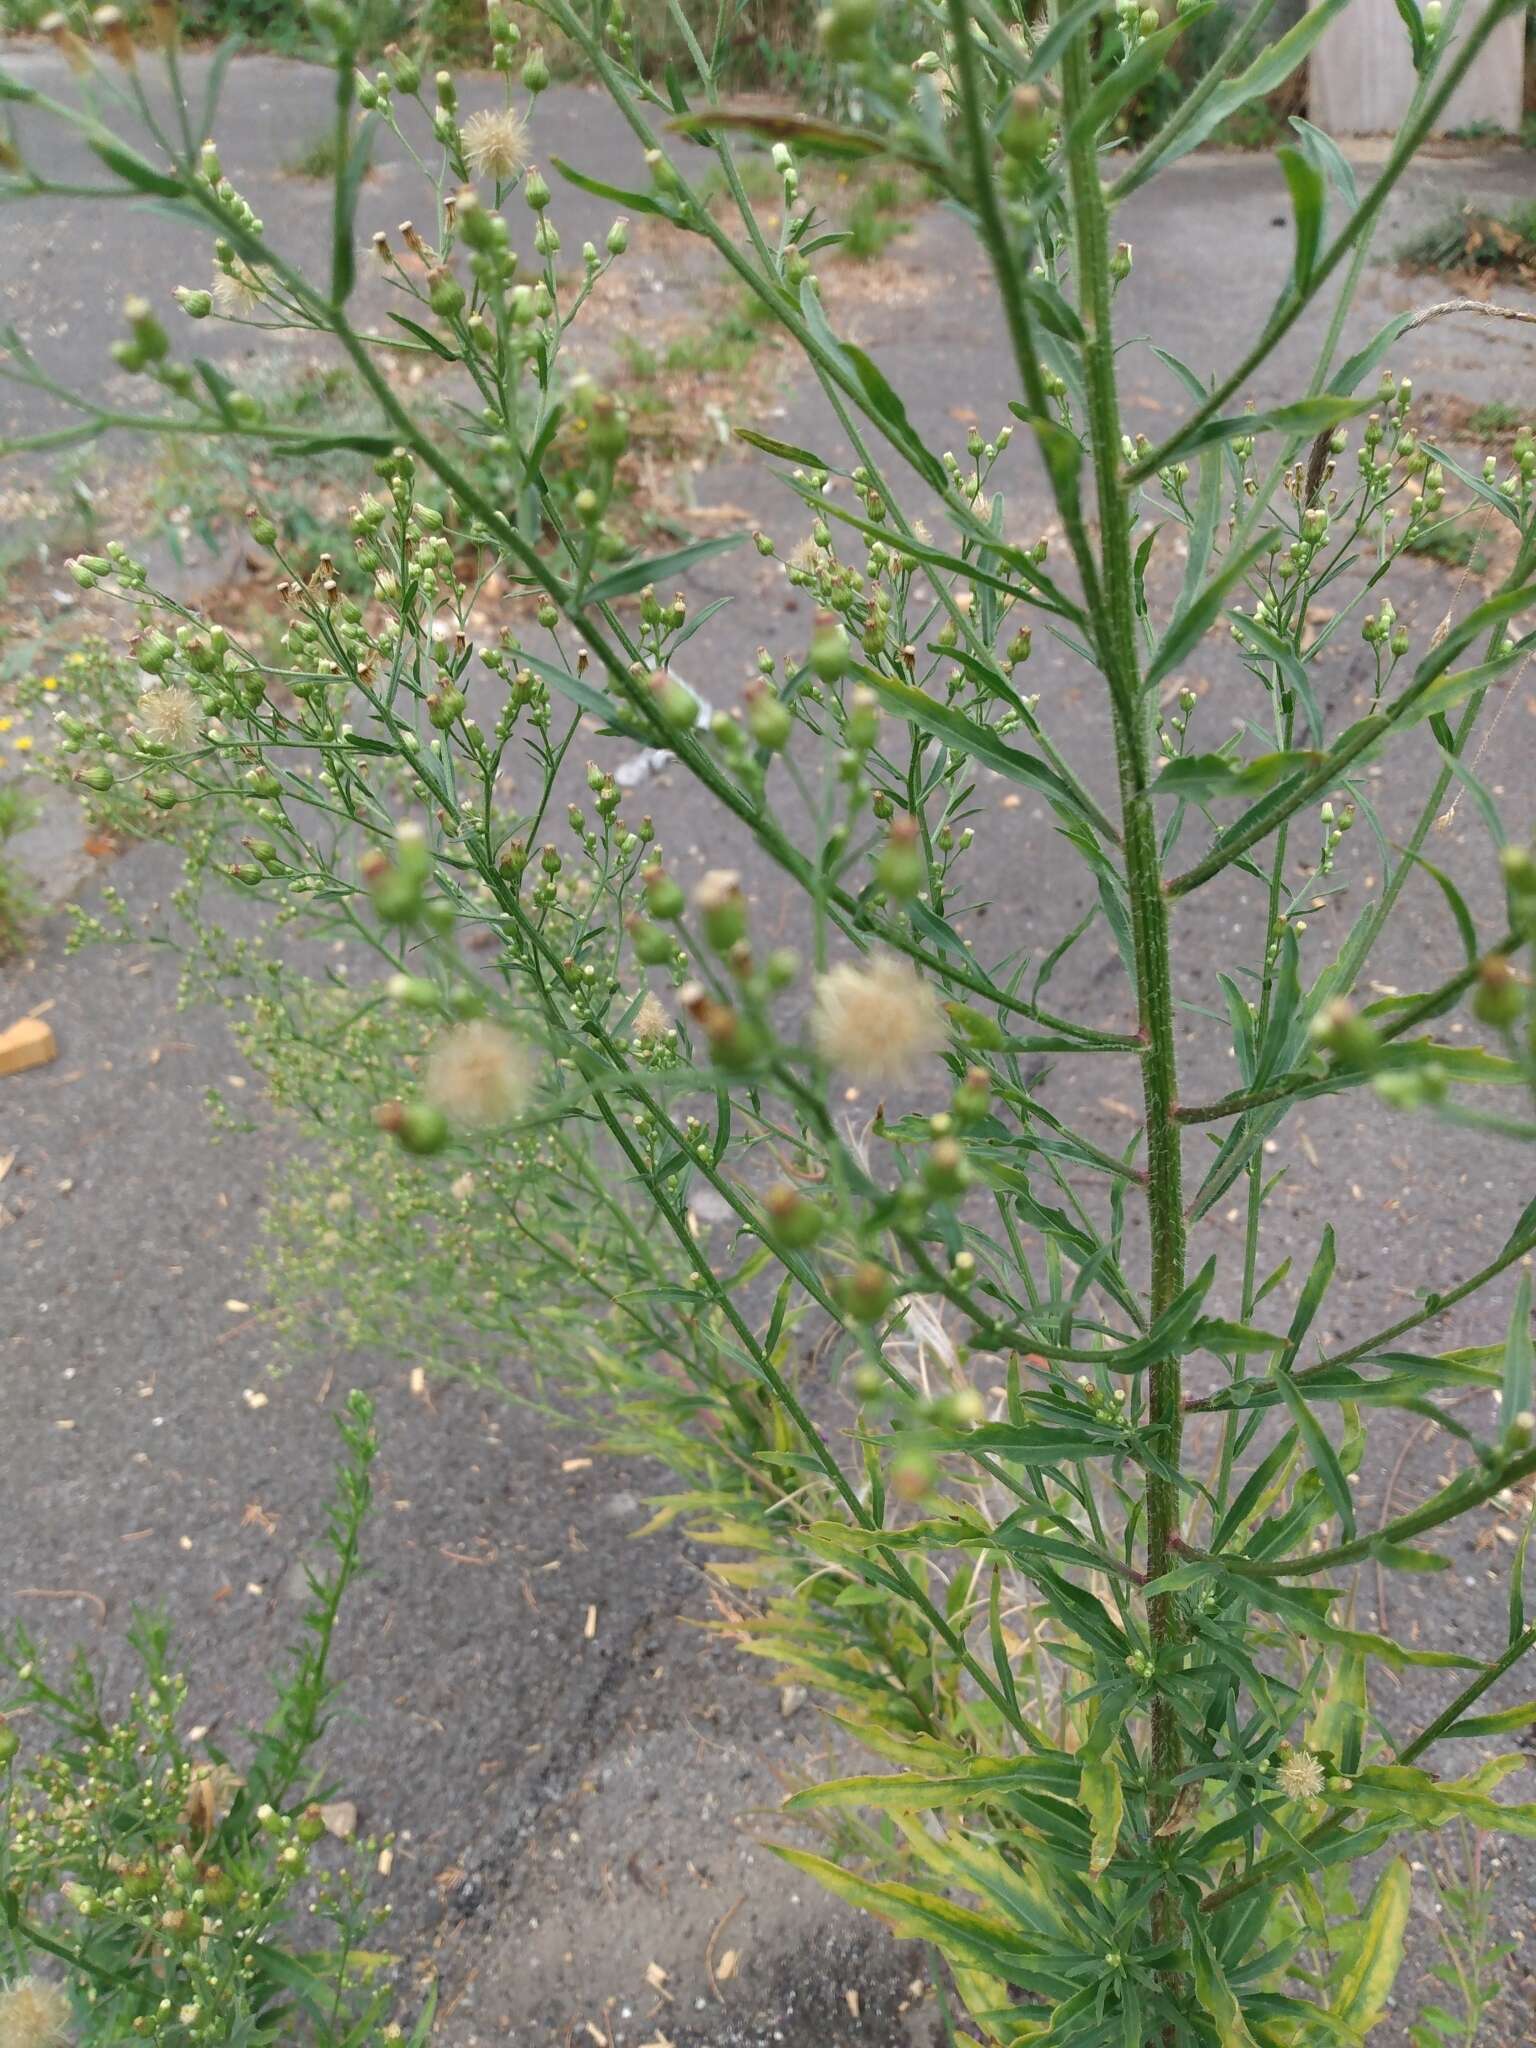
(24, 744)
(74, 660)
(6, 724)
(50, 682)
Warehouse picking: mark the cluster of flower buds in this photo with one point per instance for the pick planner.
(1383, 630)
(1335, 824)
(1171, 731)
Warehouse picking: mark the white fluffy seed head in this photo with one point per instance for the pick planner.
(480, 1076)
(495, 143)
(34, 2014)
(877, 1021)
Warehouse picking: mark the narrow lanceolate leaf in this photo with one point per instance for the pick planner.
(969, 736)
(1208, 777)
(658, 568)
(1269, 69)
(1377, 1954)
(1403, 1790)
(1308, 197)
(1103, 1800)
(1302, 416)
(1129, 77)
(917, 1791)
(1214, 1992)
(1516, 1399)
(974, 1939)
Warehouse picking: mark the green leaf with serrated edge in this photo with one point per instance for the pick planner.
(1268, 70)
(1321, 1452)
(133, 169)
(1103, 1799)
(428, 340)
(912, 1792)
(1375, 1951)
(635, 575)
(881, 400)
(1254, 1496)
(1309, 1619)
(1308, 196)
(1447, 691)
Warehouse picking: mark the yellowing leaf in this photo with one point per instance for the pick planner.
(1104, 1803)
(1373, 1967)
(1215, 1993)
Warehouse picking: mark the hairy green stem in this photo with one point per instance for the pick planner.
(1115, 631)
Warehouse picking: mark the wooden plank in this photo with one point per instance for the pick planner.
(1361, 74)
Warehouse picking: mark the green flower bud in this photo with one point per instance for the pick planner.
(722, 908)
(654, 947)
(422, 1128)
(1339, 1028)
(795, 1221)
(195, 304)
(445, 294)
(535, 190)
(945, 1171)
(845, 26)
(734, 1043)
(901, 870)
(674, 703)
(828, 656)
(865, 1293)
(912, 1473)
(607, 427)
(1026, 129)
(663, 897)
(536, 70)
(1498, 998)
(769, 719)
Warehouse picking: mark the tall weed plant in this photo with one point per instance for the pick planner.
(1041, 1481)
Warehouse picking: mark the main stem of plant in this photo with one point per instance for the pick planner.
(1115, 633)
